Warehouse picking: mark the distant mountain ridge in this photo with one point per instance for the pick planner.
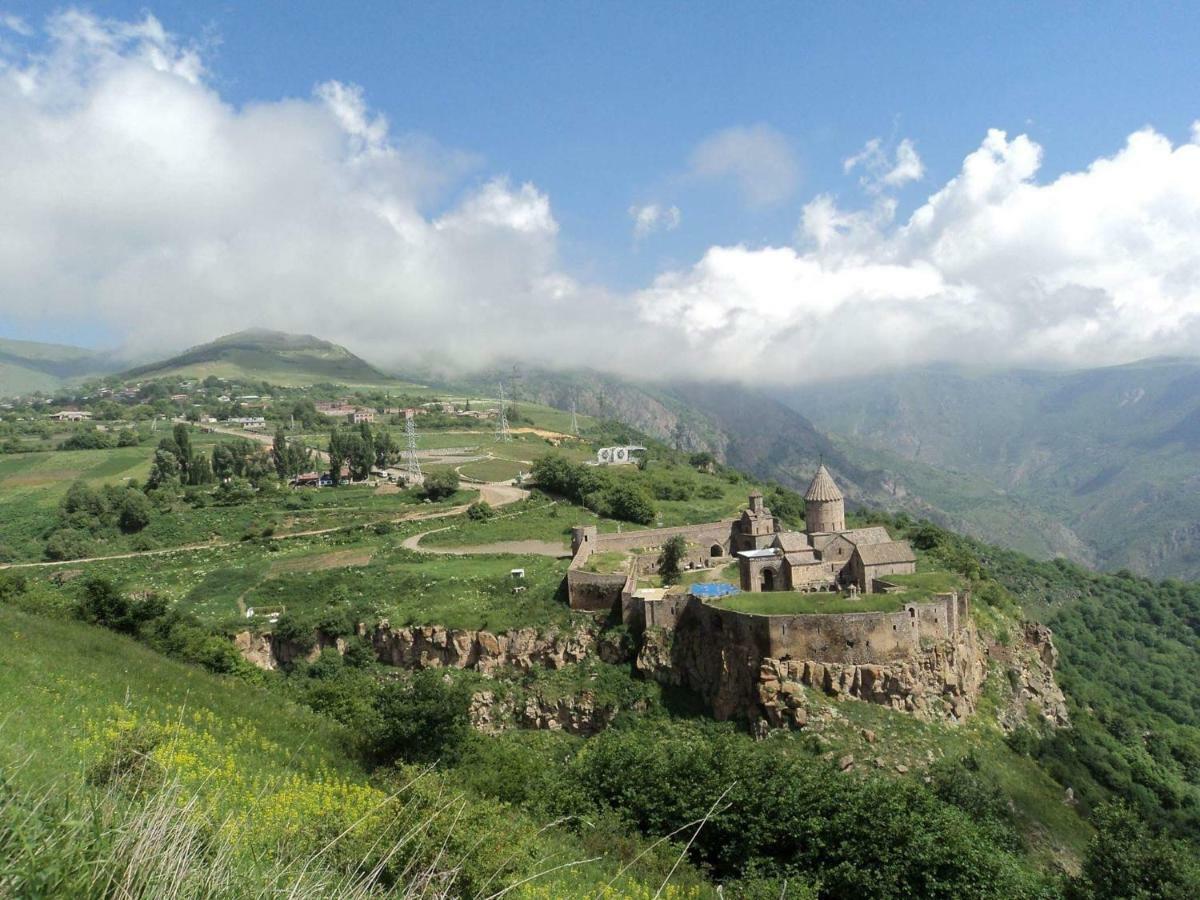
(268, 355)
(1110, 455)
(29, 366)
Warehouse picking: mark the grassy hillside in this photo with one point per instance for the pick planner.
(286, 359)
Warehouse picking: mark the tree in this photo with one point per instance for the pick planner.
(280, 455)
(183, 439)
(673, 552)
(222, 461)
(134, 511)
(199, 470)
(439, 485)
(339, 452)
(164, 470)
(421, 720)
(1124, 860)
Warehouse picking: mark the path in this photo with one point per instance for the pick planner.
(505, 493)
(494, 494)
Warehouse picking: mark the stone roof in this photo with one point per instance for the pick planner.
(885, 554)
(822, 487)
(801, 557)
(862, 537)
(791, 541)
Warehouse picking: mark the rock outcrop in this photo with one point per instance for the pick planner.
(940, 682)
(1030, 663)
(431, 646)
(579, 715)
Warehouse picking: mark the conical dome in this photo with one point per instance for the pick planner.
(822, 488)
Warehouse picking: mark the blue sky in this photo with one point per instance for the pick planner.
(603, 106)
(600, 104)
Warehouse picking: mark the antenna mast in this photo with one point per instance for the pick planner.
(503, 435)
(574, 420)
(412, 465)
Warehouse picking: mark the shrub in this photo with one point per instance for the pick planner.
(480, 510)
(672, 555)
(134, 511)
(439, 485)
(67, 544)
(422, 719)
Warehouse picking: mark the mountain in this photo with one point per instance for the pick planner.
(287, 359)
(1101, 465)
(28, 366)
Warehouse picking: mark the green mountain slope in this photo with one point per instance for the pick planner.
(1104, 461)
(28, 366)
(288, 359)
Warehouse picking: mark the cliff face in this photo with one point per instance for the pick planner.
(942, 680)
(431, 646)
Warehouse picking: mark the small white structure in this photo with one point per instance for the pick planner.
(517, 573)
(618, 456)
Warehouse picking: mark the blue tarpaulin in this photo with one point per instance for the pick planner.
(713, 589)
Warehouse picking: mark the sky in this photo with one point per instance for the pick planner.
(775, 191)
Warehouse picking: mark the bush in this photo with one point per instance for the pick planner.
(103, 604)
(480, 511)
(134, 512)
(439, 485)
(423, 719)
(67, 544)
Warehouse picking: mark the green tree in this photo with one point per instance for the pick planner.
(134, 511)
(669, 560)
(439, 485)
(183, 440)
(423, 719)
(280, 455)
(222, 461)
(1124, 860)
(164, 470)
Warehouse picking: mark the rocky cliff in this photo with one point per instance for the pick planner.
(431, 646)
(942, 680)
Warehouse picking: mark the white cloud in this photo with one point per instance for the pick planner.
(880, 171)
(134, 196)
(1096, 266)
(16, 24)
(757, 158)
(654, 217)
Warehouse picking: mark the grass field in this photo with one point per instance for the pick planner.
(33, 484)
(493, 470)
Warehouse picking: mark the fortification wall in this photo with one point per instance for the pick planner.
(651, 538)
(725, 655)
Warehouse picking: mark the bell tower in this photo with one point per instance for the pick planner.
(824, 506)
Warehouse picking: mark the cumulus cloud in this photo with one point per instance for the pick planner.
(880, 171)
(1101, 265)
(654, 217)
(757, 159)
(135, 196)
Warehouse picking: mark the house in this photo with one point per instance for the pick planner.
(71, 415)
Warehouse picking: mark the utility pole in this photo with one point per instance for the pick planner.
(574, 420)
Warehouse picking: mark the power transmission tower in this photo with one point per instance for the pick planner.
(503, 435)
(412, 466)
(574, 420)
